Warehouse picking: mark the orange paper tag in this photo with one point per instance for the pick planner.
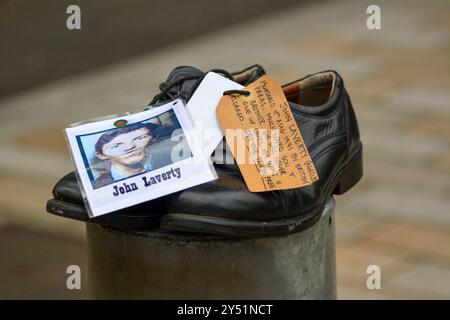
(265, 139)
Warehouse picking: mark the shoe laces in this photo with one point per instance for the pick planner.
(165, 88)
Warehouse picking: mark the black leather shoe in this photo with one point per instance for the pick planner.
(325, 116)
(68, 202)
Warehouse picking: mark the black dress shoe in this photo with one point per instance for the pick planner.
(325, 116)
(68, 203)
(67, 199)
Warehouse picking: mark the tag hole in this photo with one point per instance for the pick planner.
(120, 123)
(175, 103)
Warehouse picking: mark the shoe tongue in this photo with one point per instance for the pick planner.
(186, 88)
(257, 72)
(183, 71)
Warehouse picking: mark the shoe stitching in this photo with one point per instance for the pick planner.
(316, 143)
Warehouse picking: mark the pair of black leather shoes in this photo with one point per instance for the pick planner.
(325, 116)
(67, 198)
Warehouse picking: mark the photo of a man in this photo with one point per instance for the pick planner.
(123, 152)
(126, 160)
(125, 148)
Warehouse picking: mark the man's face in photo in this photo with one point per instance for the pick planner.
(127, 148)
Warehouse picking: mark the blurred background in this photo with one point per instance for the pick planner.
(397, 217)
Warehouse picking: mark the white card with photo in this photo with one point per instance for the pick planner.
(135, 158)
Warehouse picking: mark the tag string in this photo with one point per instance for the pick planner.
(239, 92)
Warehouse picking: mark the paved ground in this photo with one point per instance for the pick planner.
(37, 46)
(398, 77)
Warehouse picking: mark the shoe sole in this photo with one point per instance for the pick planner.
(348, 176)
(123, 221)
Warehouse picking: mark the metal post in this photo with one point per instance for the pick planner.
(156, 264)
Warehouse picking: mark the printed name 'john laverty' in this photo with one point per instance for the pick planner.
(148, 181)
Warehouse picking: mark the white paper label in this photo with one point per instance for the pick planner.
(202, 109)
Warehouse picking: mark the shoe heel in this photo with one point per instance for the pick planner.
(350, 176)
